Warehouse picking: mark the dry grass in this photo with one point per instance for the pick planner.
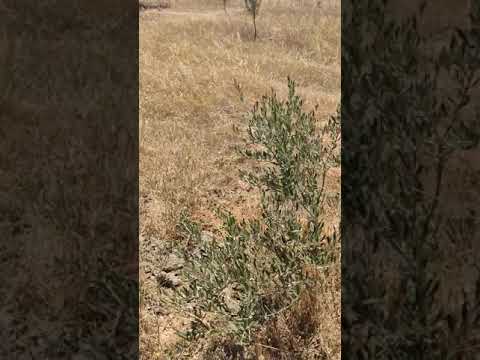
(311, 330)
(190, 57)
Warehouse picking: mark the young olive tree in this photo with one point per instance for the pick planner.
(242, 278)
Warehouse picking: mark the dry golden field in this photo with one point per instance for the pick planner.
(191, 117)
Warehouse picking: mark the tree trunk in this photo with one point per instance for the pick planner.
(254, 25)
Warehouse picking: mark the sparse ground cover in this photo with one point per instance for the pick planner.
(200, 74)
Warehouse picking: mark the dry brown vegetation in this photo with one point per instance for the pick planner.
(196, 66)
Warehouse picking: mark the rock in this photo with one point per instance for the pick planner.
(231, 300)
(154, 4)
(158, 310)
(168, 280)
(173, 263)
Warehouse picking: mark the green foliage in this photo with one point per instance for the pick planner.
(257, 268)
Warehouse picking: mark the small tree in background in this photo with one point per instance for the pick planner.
(253, 7)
